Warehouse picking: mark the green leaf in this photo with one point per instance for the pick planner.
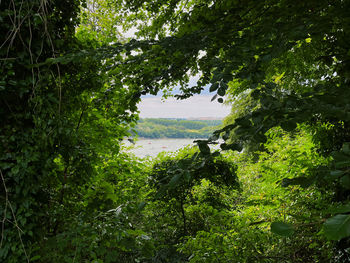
(214, 137)
(232, 146)
(282, 229)
(223, 85)
(214, 97)
(336, 174)
(221, 91)
(340, 209)
(302, 181)
(187, 176)
(203, 147)
(35, 258)
(337, 227)
(141, 205)
(341, 159)
(214, 87)
(174, 180)
(342, 164)
(345, 181)
(346, 148)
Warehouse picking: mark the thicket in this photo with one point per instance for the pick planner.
(69, 88)
(60, 126)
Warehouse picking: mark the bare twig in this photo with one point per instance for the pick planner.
(5, 210)
(15, 223)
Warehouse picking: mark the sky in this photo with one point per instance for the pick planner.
(198, 106)
(195, 107)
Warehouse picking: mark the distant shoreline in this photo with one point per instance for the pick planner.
(152, 128)
(165, 138)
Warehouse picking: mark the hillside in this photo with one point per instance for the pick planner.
(176, 128)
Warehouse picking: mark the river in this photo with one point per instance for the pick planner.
(151, 147)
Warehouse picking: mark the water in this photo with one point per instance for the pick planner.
(151, 147)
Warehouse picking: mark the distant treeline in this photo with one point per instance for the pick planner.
(176, 128)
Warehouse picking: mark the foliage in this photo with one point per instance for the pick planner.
(59, 123)
(244, 235)
(105, 223)
(291, 57)
(172, 177)
(188, 192)
(31, 127)
(69, 87)
(98, 23)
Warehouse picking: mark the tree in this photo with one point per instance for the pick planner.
(67, 98)
(61, 118)
(293, 57)
(174, 177)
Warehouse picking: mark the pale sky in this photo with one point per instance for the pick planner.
(194, 107)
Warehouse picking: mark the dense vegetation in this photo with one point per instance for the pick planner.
(69, 88)
(176, 128)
